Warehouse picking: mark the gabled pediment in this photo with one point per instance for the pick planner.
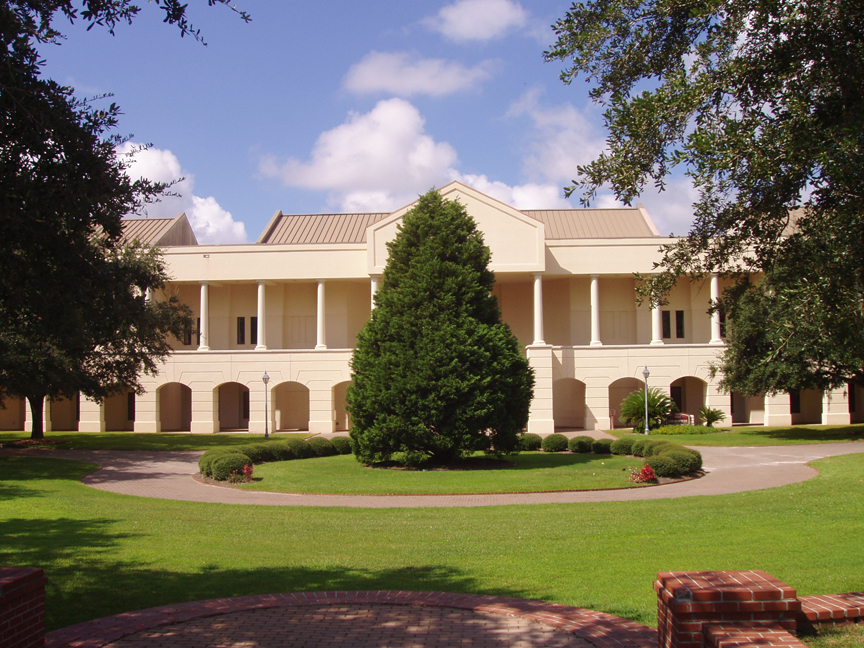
(516, 241)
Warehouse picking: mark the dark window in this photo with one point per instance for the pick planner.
(130, 406)
(187, 337)
(852, 403)
(667, 324)
(795, 401)
(244, 404)
(722, 324)
(731, 403)
(679, 324)
(253, 330)
(198, 332)
(241, 330)
(677, 396)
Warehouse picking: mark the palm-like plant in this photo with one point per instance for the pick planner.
(711, 416)
(660, 405)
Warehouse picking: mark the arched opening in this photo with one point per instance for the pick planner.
(856, 402)
(233, 407)
(340, 409)
(291, 406)
(12, 413)
(65, 413)
(747, 410)
(805, 406)
(568, 404)
(120, 412)
(618, 391)
(175, 407)
(688, 394)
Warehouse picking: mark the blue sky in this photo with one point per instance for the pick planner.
(345, 106)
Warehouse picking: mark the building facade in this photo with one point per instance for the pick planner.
(291, 305)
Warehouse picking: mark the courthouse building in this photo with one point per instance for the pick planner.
(291, 305)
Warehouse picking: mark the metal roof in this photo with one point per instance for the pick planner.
(146, 230)
(624, 222)
(318, 228)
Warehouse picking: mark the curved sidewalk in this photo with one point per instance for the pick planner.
(168, 475)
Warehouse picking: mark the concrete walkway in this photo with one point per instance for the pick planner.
(169, 475)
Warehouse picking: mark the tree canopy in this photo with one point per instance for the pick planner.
(762, 105)
(436, 374)
(73, 310)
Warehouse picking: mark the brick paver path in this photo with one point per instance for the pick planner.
(359, 620)
(169, 475)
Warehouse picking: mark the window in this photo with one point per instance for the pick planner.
(795, 401)
(253, 330)
(244, 405)
(722, 324)
(187, 337)
(130, 406)
(852, 404)
(667, 324)
(198, 332)
(679, 324)
(241, 330)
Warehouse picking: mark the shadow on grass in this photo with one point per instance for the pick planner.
(808, 433)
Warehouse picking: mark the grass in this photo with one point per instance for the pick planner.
(148, 441)
(534, 471)
(106, 553)
(762, 436)
(848, 636)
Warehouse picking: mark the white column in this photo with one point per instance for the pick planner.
(204, 345)
(538, 308)
(541, 414)
(595, 311)
(777, 410)
(92, 416)
(656, 325)
(715, 316)
(205, 408)
(321, 320)
(262, 316)
(147, 412)
(835, 407)
(374, 284)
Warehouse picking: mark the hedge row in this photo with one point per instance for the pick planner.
(218, 463)
(559, 443)
(667, 459)
(683, 429)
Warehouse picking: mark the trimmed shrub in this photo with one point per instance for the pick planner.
(656, 446)
(638, 447)
(281, 451)
(602, 446)
(529, 442)
(300, 448)
(554, 443)
(687, 461)
(321, 447)
(223, 466)
(683, 429)
(624, 445)
(580, 444)
(695, 456)
(664, 466)
(258, 452)
(342, 445)
(206, 460)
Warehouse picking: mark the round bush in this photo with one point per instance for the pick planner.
(342, 445)
(223, 466)
(664, 466)
(281, 451)
(554, 443)
(602, 446)
(206, 461)
(638, 447)
(258, 452)
(321, 447)
(695, 456)
(655, 447)
(624, 445)
(580, 444)
(300, 448)
(685, 460)
(530, 442)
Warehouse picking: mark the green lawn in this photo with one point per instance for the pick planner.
(848, 636)
(534, 471)
(105, 553)
(142, 441)
(762, 436)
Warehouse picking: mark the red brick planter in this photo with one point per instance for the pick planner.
(22, 608)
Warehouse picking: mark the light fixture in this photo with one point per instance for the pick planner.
(266, 379)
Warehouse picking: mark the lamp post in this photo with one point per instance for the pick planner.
(646, 373)
(266, 379)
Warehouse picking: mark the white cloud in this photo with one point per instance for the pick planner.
(526, 196)
(375, 161)
(478, 20)
(405, 74)
(209, 221)
(562, 138)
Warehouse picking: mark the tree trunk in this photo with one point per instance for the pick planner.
(36, 403)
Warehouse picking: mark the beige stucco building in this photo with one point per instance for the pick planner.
(292, 303)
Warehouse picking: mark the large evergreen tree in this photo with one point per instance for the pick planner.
(436, 374)
(761, 103)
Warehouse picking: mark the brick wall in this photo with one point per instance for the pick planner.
(22, 608)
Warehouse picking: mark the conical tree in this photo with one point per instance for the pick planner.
(436, 374)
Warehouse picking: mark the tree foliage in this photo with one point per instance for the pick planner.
(73, 313)
(660, 406)
(762, 105)
(436, 374)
